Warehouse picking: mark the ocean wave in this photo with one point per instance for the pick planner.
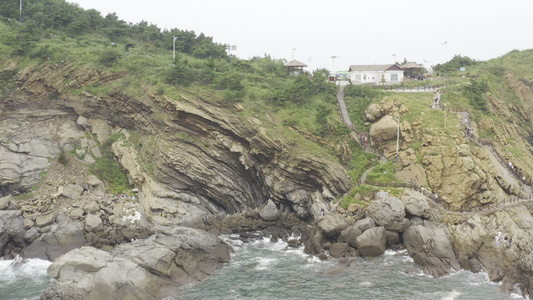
(452, 295)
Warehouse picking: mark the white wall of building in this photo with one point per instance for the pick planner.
(374, 77)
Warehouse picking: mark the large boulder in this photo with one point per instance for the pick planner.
(269, 212)
(429, 245)
(154, 268)
(384, 130)
(365, 224)
(72, 191)
(416, 204)
(338, 250)
(373, 242)
(350, 234)
(100, 275)
(332, 225)
(386, 211)
(373, 112)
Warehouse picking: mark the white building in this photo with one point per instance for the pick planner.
(376, 74)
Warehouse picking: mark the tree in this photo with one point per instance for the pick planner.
(475, 92)
(455, 64)
(321, 116)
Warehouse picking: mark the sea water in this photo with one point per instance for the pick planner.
(23, 278)
(266, 270)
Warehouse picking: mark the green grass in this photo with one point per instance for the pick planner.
(108, 170)
(362, 192)
(383, 173)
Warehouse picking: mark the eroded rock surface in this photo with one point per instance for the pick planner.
(153, 268)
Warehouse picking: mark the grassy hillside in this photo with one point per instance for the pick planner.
(301, 110)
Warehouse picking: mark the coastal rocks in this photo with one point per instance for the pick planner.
(332, 225)
(11, 231)
(416, 204)
(486, 239)
(373, 242)
(58, 241)
(429, 245)
(388, 212)
(154, 268)
(98, 275)
(269, 212)
(338, 250)
(4, 202)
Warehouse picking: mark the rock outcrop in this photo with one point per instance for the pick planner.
(429, 245)
(153, 268)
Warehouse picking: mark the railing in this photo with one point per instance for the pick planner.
(457, 109)
(525, 197)
(410, 89)
(389, 184)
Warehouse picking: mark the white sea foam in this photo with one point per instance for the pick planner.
(395, 252)
(451, 295)
(366, 283)
(518, 296)
(19, 268)
(265, 263)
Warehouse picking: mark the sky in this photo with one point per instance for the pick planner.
(355, 32)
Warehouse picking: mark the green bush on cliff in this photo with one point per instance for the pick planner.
(358, 98)
(109, 170)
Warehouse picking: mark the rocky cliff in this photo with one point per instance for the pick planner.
(189, 162)
(189, 158)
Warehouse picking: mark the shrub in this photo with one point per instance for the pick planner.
(109, 56)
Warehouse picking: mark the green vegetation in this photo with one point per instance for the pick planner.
(299, 110)
(475, 93)
(455, 64)
(362, 193)
(108, 169)
(358, 98)
(383, 173)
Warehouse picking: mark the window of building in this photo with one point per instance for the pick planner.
(364, 76)
(357, 76)
(394, 77)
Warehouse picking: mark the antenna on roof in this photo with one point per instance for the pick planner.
(293, 49)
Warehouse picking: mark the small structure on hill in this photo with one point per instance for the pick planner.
(295, 68)
(376, 74)
(413, 70)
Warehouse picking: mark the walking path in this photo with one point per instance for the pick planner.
(527, 195)
(342, 106)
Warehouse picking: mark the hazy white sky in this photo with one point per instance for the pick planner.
(356, 31)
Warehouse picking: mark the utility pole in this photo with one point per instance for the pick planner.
(173, 49)
(20, 11)
(445, 58)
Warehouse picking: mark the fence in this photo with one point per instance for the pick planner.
(457, 109)
(410, 89)
(526, 197)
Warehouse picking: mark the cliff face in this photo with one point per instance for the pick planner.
(189, 158)
(463, 175)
